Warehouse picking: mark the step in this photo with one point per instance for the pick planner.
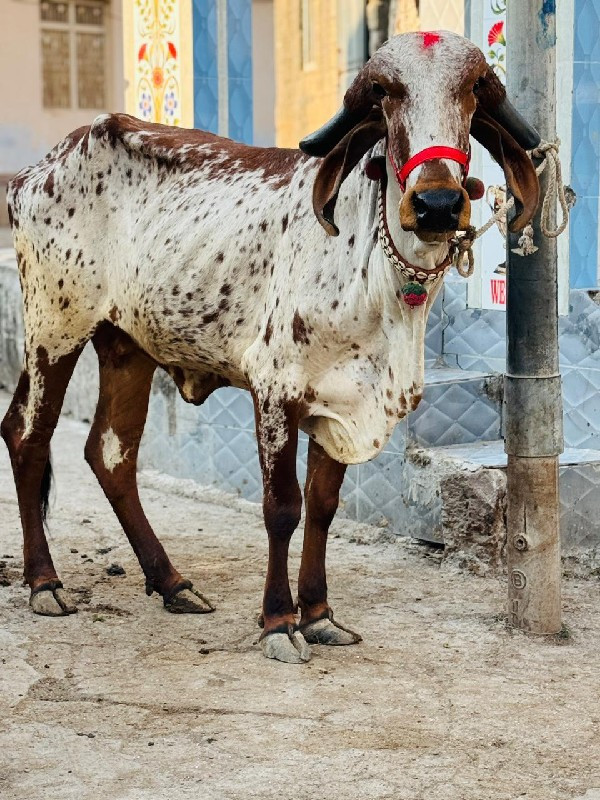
(456, 469)
(458, 407)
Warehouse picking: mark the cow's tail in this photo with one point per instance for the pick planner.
(45, 487)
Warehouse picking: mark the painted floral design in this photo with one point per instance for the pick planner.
(497, 40)
(145, 105)
(157, 67)
(171, 104)
(496, 34)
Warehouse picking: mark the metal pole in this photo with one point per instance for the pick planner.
(533, 437)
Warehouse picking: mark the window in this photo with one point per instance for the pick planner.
(73, 53)
(308, 34)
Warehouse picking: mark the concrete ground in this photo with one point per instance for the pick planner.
(124, 701)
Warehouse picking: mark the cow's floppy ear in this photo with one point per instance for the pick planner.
(359, 100)
(338, 164)
(521, 178)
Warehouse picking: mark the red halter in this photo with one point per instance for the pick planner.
(429, 154)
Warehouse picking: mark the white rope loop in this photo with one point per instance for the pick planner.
(556, 192)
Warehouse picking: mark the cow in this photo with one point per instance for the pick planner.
(303, 276)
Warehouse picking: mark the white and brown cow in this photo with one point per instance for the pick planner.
(184, 250)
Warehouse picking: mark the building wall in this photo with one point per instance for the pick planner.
(27, 129)
(405, 16)
(432, 15)
(305, 98)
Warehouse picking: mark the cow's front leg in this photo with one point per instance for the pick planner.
(277, 434)
(324, 478)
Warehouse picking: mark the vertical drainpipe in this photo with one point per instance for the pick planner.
(533, 438)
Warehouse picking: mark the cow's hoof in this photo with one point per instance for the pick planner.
(52, 603)
(188, 601)
(326, 631)
(288, 647)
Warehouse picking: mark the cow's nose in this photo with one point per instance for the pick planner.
(438, 209)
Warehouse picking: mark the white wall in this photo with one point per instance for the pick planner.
(27, 130)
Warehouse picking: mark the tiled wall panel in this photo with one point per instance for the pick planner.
(239, 65)
(206, 84)
(585, 158)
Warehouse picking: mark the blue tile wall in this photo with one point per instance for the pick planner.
(585, 158)
(239, 67)
(206, 84)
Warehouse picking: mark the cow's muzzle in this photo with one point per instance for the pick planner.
(438, 210)
(435, 210)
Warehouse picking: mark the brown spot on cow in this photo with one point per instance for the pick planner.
(268, 331)
(299, 331)
(310, 395)
(49, 184)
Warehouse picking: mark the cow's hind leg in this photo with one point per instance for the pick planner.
(27, 429)
(323, 481)
(111, 451)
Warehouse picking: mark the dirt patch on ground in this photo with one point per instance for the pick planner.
(125, 701)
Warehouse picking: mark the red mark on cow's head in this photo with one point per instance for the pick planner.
(429, 38)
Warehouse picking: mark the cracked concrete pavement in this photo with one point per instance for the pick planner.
(124, 701)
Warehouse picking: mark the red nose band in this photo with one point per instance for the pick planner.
(430, 154)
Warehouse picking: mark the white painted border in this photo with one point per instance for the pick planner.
(222, 68)
(565, 31)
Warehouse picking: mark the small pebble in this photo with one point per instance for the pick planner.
(204, 651)
(74, 550)
(150, 744)
(115, 569)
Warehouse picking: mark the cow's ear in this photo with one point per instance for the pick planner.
(521, 178)
(339, 162)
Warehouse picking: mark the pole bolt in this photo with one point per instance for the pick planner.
(518, 578)
(520, 543)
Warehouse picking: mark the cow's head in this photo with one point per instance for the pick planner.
(425, 93)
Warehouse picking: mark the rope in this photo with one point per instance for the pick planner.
(555, 192)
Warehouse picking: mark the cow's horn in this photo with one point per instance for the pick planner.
(518, 127)
(321, 142)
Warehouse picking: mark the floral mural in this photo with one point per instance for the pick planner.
(496, 40)
(158, 71)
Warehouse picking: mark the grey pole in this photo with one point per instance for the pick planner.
(533, 438)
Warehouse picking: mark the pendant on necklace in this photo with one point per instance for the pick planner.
(414, 294)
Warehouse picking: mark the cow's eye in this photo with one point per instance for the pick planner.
(379, 91)
(477, 85)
